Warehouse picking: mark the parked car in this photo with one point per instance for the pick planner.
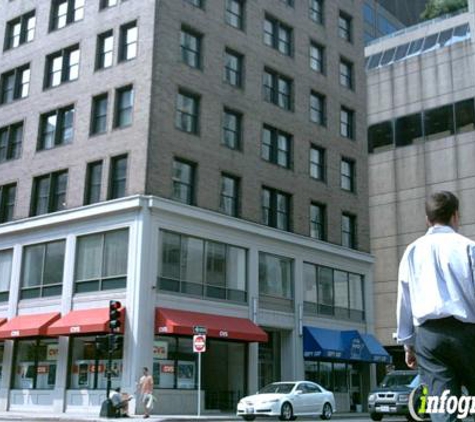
(287, 400)
(392, 396)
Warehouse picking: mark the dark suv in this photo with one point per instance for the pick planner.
(392, 396)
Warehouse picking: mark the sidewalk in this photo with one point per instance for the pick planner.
(66, 417)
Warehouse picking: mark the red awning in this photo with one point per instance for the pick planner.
(172, 321)
(32, 325)
(84, 321)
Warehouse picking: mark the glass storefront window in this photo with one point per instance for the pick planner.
(330, 375)
(87, 369)
(174, 363)
(340, 377)
(35, 364)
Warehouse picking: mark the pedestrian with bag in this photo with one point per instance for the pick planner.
(146, 392)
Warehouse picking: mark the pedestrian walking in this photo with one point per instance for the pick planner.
(146, 391)
(436, 302)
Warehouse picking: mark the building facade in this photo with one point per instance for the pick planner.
(197, 161)
(421, 139)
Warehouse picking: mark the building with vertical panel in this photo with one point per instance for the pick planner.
(204, 163)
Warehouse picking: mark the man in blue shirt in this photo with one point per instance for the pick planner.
(436, 302)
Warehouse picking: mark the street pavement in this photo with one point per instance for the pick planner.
(23, 417)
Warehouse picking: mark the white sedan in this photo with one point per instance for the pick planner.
(288, 400)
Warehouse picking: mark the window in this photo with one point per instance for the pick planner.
(289, 2)
(202, 267)
(439, 122)
(408, 129)
(56, 128)
(229, 197)
(128, 41)
(347, 175)
(20, 30)
(465, 115)
(99, 114)
(235, 13)
(196, 3)
(347, 123)
(277, 89)
(86, 354)
(346, 73)
(124, 106)
(345, 29)
(380, 136)
(62, 66)
(11, 138)
(317, 221)
(190, 45)
(7, 202)
(105, 50)
(276, 209)
(187, 112)
(49, 193)
(316, 11)
(104, 4)
(42, 270)
(317, 57)
(118, 177)
(33, 368)
(64, 12)
(15, 84)
(278, 35)
(317, 163)
(92, 192)
(6, 257)
(348, 231)
(318, 112)
(183, 182)
(276, 276)
(232, 129)
(101, 261)
(276, 146)
(233, 68)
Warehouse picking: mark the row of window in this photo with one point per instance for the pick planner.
(435, 123)
(49, 190)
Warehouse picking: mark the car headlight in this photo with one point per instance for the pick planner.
(371, 397)
(271, 401)
(403, 398)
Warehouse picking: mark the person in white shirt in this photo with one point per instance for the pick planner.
(436, 302)
(120, 402)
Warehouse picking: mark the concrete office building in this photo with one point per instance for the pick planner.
(421, 139)
(204, 163)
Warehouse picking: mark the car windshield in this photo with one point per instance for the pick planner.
(397, 380)
(284, 388)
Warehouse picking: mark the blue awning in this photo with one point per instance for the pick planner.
(347, 345)
(377, 351)
(322, 343)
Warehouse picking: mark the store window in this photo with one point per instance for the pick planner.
(6, 257)
(202, 267)
(275, 276)
(35, 364)
(87, 369)
(42, 270)
(174, 363)
(330, 375)
(101, 261)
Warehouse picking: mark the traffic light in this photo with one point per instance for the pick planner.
(102, 344)
(117, 342)
(114, 315)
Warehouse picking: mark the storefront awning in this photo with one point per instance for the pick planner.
(172, 321)
(84, 321)
(377, 351)
(32, 325)
(346, 345)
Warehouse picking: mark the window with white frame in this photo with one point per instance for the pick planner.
(20, 30)
(128, 41)
(65, 12)
(62, 66)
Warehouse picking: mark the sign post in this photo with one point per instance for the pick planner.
(199, 346)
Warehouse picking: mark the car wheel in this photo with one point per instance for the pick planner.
(249, 418)
(327, 412)
(286, 412)
(376, 416)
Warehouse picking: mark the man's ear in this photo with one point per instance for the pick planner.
(428, 222)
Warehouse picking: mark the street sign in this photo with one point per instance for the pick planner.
(199, 329)
(199, 343)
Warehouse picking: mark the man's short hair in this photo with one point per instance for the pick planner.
(441, 206)
(117, 389)
(145, 369)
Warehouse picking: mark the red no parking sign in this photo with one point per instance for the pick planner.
(199, 343)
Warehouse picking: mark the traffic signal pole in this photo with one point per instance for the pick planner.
(109, 365)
